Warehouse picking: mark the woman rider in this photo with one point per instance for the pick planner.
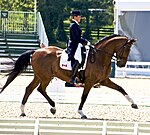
(74, 40)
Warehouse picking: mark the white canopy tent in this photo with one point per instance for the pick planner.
(132, 18)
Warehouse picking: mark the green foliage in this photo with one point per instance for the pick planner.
(20, 19)
(17, 5)
(55, 12)
(60, 32)
(53, 17)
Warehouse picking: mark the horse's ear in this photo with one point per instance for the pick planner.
(132, 41)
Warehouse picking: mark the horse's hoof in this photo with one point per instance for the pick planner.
(23, 115)
(84, 117)
(134, 106)
(53, 110)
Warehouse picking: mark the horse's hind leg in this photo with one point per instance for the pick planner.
(42, 90)
(112, 85)
(29, 89)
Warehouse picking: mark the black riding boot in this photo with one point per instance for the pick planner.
(74, 72)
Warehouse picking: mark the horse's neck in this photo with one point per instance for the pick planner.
(105, 53)
(105, 58)
(107, 49)
(100, 56)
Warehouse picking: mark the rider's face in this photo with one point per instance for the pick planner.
(77, 18)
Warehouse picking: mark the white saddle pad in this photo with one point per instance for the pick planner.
(65, 64)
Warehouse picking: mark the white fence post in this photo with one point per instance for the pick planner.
(135, 129)
(104, 131)
(36, 129)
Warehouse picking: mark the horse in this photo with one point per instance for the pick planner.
(45, 64)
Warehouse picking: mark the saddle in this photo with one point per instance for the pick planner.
(81, 57)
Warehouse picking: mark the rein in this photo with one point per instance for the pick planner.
(93, 51)
(114, 57)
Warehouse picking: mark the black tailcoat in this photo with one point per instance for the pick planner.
(75, 39)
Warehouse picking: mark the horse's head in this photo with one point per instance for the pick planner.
(123, 52)
(115, 44)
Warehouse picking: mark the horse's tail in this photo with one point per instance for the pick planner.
(20, 65)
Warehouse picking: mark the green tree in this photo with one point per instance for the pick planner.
(53, 17)
(17, 5)
(105, 17)
(54, 12)
(60, 32)
(94, 19)
(83, 5)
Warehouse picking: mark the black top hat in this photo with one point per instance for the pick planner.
(75, 13)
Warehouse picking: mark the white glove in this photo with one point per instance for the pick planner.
(88, 43)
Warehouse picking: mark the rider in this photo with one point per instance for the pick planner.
(74, 40)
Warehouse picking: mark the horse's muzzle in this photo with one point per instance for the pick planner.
(121, 63)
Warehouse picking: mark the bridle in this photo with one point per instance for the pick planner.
(122, 51)
(114, 57)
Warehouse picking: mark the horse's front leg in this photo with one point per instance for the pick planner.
(112, 85)
(85, 93)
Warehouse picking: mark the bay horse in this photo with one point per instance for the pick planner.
(45, 64)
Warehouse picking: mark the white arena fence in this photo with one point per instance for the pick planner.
(134, 69)
(71, 127)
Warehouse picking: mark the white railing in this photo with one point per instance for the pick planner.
(19, 22)
(71, 127)
(41, 31)
(24, 22)
(134, 69)
(18, 126)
